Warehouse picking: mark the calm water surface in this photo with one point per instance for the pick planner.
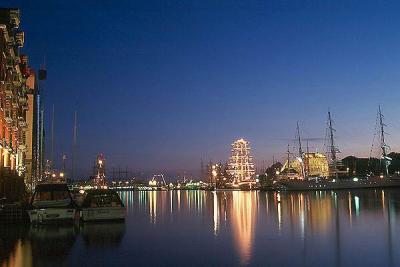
(197, 228)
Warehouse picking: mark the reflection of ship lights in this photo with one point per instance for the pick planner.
(216, 214)
(279, 212)
(153, 206)
(244, 210)
(357, 205)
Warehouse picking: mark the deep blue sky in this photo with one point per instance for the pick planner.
(160, 84)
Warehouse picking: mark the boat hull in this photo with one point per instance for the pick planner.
(105, 213)
(51, 215)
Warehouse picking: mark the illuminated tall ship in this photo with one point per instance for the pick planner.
(304, 165)
(241, 166)
(336, 177)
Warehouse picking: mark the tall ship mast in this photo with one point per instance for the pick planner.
(332, 150)
(301, 154)
(384, 147)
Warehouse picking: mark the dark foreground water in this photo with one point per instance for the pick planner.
(197, 228)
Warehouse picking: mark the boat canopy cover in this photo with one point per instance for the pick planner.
(51, 195)
(102, 198)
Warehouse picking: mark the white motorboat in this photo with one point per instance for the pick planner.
(102, 204)
(51, 202)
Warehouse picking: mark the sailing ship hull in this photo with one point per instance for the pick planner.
(293, 185)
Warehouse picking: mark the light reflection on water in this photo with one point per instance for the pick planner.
(200, 228)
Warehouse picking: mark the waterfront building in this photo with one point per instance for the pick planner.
(17, 93)
(33, 164)
(241, 166)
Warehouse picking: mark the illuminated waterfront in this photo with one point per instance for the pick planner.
(233, 228)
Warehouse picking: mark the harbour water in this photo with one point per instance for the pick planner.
(233, 228)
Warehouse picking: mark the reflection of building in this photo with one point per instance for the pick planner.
(241, 165)
(309, 211)
(314, 164)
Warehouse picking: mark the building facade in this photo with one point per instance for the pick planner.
(18, 92)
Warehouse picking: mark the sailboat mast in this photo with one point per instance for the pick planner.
(74, 147)
(300, 152)
(288, 161)
(331, 137)
(308, 159)
(383, 142)
(332, 144)
(52, 140)
(382, 133)
(299, 140)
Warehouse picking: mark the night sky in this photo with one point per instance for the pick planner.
(158, 85)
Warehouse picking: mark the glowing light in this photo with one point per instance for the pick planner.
(355, 179)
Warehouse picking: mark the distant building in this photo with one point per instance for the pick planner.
(240, 165)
